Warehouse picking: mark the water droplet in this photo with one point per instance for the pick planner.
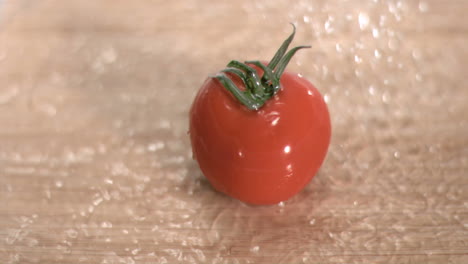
(324, 71)
(328, 27)
(357, 59)
(155, 146)
(306, 19)
(164, 124)
(109, 55)
(377, 54)
(119, 168)
(129, 260)
(274, 122)
(139, 150)
(393, 44)
(371, 90)
(358, 72)
(59, 184)
(47, 109)
(106, 224)
(312, 221)
(390, 59)
(48, 194)
(338, 47)
(418, 77)
(101, 148)
(254, 249)
(7, 94)
(108, 181)
(385, 98)
(423, 6)
(363, 19)
(392, 8)
(382, 20)
(97, 201)
(32, 242)
(375, 33)
(416, 54)
(71, 233)
(64, 249)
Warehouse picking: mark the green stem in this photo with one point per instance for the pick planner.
(284, 47)
(285, 60)
(237, 72)
(268, 78)
(244, 97)
(252, 81)
(259, 90)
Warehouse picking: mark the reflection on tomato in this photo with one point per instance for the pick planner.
(262, 156)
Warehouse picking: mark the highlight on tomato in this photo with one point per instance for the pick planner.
(259, 133)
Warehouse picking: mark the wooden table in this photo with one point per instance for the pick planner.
(95, 162)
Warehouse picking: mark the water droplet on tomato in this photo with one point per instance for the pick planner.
(275, 121)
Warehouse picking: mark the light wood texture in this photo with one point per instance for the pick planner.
(95, 162)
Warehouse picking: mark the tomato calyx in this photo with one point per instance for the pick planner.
(259, 89)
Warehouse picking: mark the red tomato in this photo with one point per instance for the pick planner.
(260, 156)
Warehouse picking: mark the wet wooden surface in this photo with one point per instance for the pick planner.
(95, 162)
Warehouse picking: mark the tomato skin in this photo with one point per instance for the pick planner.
(265, 156)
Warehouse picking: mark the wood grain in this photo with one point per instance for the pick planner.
(95, 162)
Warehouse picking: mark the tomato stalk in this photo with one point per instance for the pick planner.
(259, 90)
